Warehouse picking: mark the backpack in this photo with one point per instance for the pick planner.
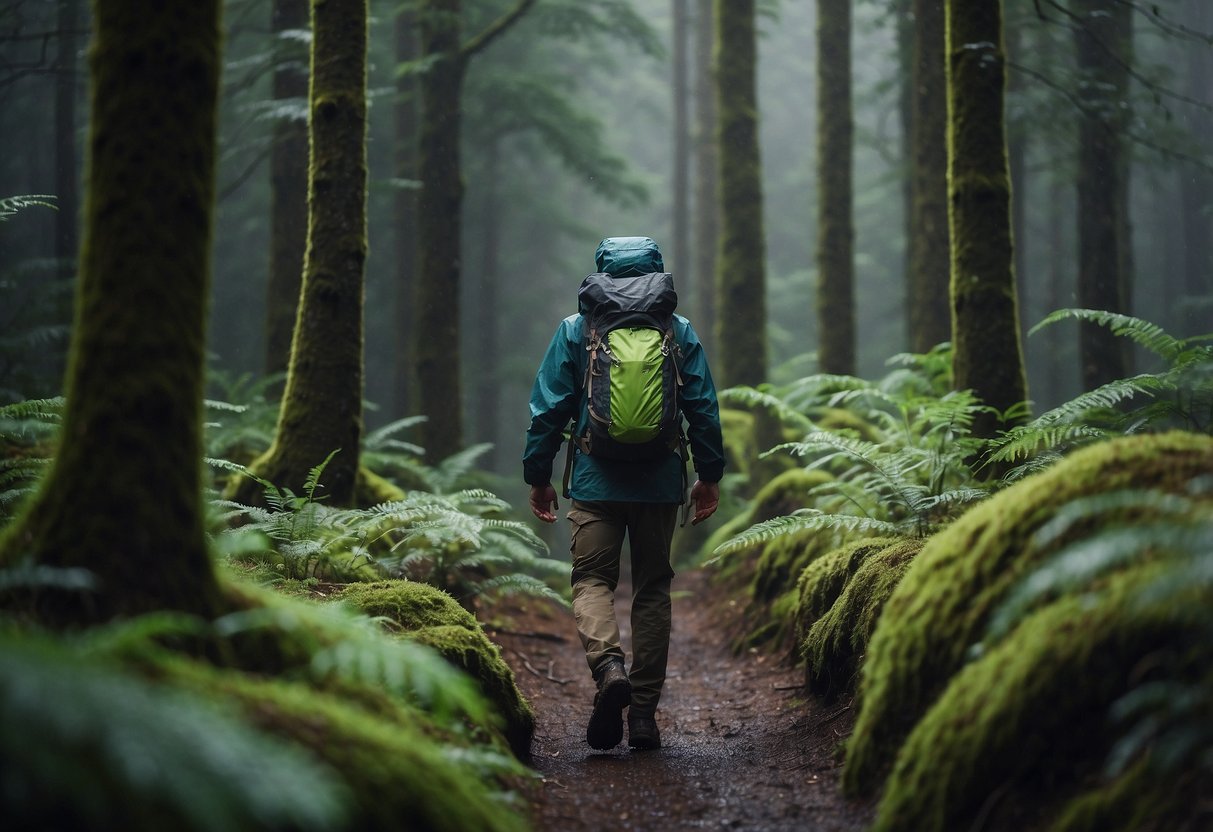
(632, 376)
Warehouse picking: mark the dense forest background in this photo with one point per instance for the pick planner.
(570, 135)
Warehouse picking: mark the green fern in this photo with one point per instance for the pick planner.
(10, 205)
(1178, 395)
(85, 745)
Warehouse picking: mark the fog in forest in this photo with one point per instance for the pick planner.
(532, 215)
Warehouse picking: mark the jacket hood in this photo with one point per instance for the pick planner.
(628, 256)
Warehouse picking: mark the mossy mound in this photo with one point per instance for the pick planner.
(1139, 800)
(409, 604)
(822, 581)
(434, 618)
(481, 659)
(836, 639)
(1031, 714)
(397, 770)
(943, 603)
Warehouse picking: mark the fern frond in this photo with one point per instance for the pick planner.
(749, 398)
(382, 437)
(41, 410)
(313, 475)
(92, 741)
(1150, 336)
(10, 205)
(519, 584)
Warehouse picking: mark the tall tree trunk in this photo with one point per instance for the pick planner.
(439, 226)
(1018, 135)
(1103, 40)
(1195, 182)
(404, 225)
(682, 141)
(322, 405)
(928, 302)
(907, 27)
(123, 498)
(706, 205)
(988, 355)
(288, 184)
(67, 219)
(741, 263)
(488, 348)
(835, 221)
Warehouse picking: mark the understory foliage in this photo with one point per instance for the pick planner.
(302, 716)
(1042, 635)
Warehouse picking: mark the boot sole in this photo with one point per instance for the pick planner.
(606, 722)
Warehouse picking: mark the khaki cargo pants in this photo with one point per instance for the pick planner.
(598, 532)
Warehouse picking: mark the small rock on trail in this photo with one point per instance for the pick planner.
(744, 747)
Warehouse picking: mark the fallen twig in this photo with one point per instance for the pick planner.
(787, 687)
(526, 662)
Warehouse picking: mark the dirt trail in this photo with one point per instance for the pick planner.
(742, 748)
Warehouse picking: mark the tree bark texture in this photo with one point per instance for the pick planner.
(835, 212)
(682, 142)
(988, 356)
(322, 405)
(929, 261)
(288, 185)
(488, 347)
(405, 219)
(741, 266)
(1196, 183)
(1103, 42)
(706, 205)
(441, 201)
(123, 497)
(67, 240)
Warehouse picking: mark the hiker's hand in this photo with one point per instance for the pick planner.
(705, 496)
(543, 502)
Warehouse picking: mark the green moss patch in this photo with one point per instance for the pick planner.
(1032, 711)
(409, 604)
(481, 659)
(397, 770)
(836, 639)
(944, 602)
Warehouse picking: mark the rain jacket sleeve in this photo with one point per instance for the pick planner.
(554, 401)
(701, 409)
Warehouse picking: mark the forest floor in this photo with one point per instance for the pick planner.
(743, 747)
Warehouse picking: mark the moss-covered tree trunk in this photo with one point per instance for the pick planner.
(288, 183)
(705, 218)
(835, 221)
(1103, 42)
(930, 315)
(123, 498)
(66, 233)
(988, 355)
(404, 209)
(681, 162)
(322, 405)
(439, 364)
(741, 262)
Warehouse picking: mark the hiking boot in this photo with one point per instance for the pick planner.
(642, 732)
(614, 694)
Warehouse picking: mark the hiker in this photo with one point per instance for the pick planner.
(626, 370)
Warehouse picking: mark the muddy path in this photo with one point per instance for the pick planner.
(744, 747)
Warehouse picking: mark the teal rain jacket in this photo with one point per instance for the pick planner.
(558, 398)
